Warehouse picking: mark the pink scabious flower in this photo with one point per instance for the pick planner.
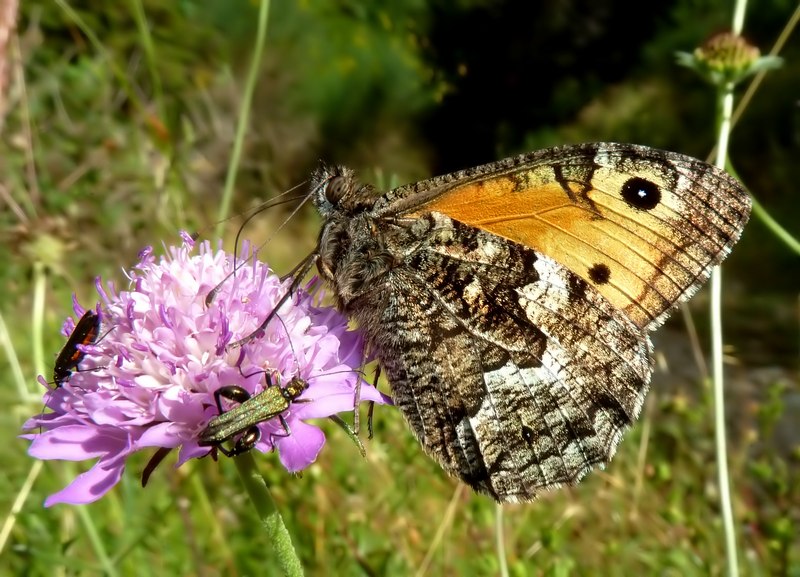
(148, 381)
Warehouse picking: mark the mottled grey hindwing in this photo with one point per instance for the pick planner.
(512, 372)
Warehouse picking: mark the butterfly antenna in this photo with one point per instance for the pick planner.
(277, 201)
(299, 274)
(294, 354)
(271, 204)
(291, 345)
(258, 209)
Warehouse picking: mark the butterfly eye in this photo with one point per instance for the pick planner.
(337, 187)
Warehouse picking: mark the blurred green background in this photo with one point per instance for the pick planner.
(118, 132)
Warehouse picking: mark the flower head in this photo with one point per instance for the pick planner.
(149, 380)
(727, 58)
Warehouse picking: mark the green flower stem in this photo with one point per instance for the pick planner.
(92, 533)
(500, 540)
(261, 498)
(244, 116)
(761, 213)
(725, 103)
(739, 10)
(37, 316)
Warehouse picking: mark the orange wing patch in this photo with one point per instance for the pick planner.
(641, 259)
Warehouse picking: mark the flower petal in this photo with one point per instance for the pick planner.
(89, 486)
(301, 448)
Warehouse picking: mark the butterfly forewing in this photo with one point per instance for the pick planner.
(644, 226)
(509, 304)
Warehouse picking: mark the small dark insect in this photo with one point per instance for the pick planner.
(84, 333)
(243, 419)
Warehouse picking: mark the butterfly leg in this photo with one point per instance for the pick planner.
(371, 407)
(350, 433)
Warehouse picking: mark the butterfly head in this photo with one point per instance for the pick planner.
(335, 189)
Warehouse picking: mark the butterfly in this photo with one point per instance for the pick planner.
(70, 356)
(510, 304)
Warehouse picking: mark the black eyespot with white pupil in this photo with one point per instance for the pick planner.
(337, 186)
(641, 193)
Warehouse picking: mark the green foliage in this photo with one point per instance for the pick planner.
(361, 64)
(114, 146)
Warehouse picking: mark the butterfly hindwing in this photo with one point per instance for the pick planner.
(497, 373)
